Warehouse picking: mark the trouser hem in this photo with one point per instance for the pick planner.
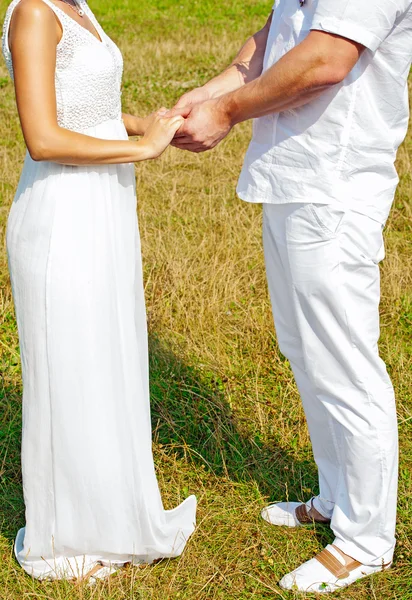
(363, 557)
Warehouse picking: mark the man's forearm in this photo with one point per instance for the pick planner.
(246, 67)
(319, 62)
(299, 76)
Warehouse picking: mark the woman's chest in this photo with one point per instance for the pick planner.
(81, 56)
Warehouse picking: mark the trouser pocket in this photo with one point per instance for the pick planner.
(328, 216)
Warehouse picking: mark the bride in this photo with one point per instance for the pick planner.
(90, 489)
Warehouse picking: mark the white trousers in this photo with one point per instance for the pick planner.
(323, 275)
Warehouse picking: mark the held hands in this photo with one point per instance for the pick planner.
(197, 123)
(206, 123)
(159, 131)
(193, 97)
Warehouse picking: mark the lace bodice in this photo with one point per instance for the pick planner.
(88, 71)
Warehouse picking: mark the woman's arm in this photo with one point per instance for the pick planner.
(33, 38)
(139, 125)
(134, 125)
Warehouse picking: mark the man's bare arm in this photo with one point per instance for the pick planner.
(246, 67)
(319, 62)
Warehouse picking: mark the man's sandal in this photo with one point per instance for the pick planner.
(293, 514)
(328, 572)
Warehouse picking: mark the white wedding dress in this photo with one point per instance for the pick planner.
(89, 482)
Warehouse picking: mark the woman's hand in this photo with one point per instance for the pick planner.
(160, 131)
(138, 125)
(147, 121)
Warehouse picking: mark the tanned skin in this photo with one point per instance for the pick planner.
(33, 38)
(243, 92)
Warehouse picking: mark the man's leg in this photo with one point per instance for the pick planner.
(290, 344)
(331, 264)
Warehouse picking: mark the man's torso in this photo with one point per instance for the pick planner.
(342, 145)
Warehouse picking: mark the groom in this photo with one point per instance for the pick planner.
(326, 81)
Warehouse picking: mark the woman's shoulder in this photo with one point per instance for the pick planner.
(33, 12)
(31, 17)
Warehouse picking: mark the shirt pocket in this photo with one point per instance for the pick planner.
(298, 18)
(279, 42)
(290, 25)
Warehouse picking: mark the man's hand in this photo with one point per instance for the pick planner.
(193, 97)
(206, 124)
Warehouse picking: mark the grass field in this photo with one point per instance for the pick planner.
(228, 425)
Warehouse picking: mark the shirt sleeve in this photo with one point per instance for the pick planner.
(367, 22)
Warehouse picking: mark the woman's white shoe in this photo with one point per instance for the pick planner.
(327, 572)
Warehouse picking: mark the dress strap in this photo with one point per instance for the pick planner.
(57, 11)
(6, 28)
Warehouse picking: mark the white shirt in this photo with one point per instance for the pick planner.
(340, 147)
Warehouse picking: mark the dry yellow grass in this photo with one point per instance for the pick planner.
(228, 424)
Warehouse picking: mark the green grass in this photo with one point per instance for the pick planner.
(227, 419)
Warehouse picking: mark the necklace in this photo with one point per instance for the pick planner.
(74, 7)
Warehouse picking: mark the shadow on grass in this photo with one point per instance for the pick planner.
(11, 493)
(189, 413)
